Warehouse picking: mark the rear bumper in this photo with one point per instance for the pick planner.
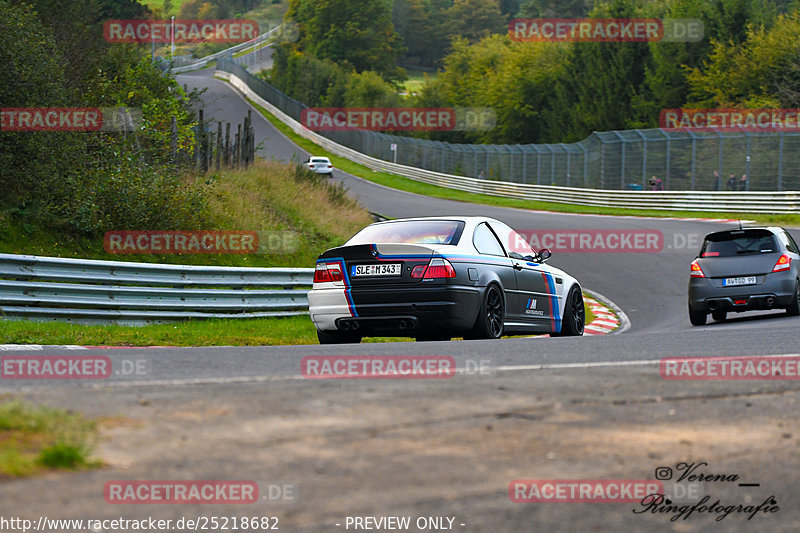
(395, 312)
(774, 291)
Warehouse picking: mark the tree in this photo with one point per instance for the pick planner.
(356, 32)
(759, 72)
(554, 8)
(368, 89)
(32, 76)
(474, 19)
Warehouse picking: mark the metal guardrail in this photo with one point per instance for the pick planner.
(91, 291)
(744, 201)
(202, 62)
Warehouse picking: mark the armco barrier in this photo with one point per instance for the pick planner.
(744, 201)
(90, 291)
(203, 61)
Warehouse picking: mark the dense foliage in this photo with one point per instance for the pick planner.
(54, 55)
(546, 92)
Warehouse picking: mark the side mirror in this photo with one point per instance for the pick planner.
(544, 254)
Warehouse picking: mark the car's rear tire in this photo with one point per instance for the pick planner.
(574, 315)
(719, 316)
(697, 318)
(489, 324)
(794, 308)
(337, 337)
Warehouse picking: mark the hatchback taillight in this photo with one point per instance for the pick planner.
(695, 270)
(437, 268)
(784, 263)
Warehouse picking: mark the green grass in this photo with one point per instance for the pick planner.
(409, 185)
(174, 10)
(589, 315)
(416, 80)
(221, 332)
(36, 438)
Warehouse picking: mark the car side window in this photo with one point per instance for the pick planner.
(486, 242)
(789, 242)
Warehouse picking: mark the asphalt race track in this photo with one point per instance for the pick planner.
(541, 408)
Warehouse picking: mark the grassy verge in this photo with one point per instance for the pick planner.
(589, 315)
(409, 185)
(297, 213)
(222, 332)
(35, 439)
(230, 332)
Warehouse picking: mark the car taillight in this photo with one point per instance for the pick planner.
(696, 271)
(784, 263)
(437, 268)
(327, 272)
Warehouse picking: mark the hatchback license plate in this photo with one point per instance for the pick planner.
(382, 269)
(730, 282)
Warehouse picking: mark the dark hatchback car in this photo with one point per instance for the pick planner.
(744, 269)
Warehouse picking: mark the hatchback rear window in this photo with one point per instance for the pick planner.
(411, 232)
(739, 242)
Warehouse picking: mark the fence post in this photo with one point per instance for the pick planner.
(219, 143)
(780, 161)
(237, 156)
(602, 163)
(668, 169)
(623, 150)
(747, 163)
(199, 141)
(718, 185)
(585, 166)
(227, 144)
(694, 162)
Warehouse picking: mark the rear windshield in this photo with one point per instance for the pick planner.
(740, 242)
(319, 160)
(411, 232)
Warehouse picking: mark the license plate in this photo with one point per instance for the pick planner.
(382, 269)
(730, 282)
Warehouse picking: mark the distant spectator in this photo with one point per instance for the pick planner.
(657, 184)
(481, 175)
(732, 182)
(743, 183)
(716, 180)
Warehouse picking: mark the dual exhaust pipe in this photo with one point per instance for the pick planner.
(353, 325)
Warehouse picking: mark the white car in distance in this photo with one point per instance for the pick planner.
(320, 165)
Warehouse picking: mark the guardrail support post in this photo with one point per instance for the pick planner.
(780, 161)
